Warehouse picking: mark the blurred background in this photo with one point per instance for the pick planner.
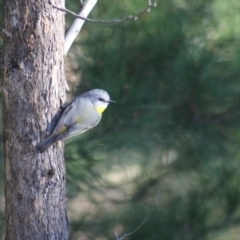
(168, 151)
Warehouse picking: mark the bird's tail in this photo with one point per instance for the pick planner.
(44, 145)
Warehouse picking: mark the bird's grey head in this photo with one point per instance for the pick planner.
(99, 98)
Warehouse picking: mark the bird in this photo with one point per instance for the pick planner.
(82, 114)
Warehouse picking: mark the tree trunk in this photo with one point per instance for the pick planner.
(33, 89)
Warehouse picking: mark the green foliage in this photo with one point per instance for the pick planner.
(172, 140)
(171, 143)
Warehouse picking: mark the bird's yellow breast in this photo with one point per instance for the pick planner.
(100, 109)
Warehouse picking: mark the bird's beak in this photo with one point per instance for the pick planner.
(111, 101)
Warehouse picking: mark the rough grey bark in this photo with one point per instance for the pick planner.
(33, 88)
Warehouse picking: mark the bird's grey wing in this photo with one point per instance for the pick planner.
(78, 117)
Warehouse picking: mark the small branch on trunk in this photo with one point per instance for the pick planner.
(5, 34)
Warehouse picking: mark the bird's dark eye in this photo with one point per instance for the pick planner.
(101, 99)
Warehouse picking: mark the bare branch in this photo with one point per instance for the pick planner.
(114, 21)
(131, 233)
(77, 24)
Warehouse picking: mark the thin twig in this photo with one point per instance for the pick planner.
(114, 21)
(135, 230)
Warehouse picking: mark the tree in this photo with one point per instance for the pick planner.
(33, 89)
